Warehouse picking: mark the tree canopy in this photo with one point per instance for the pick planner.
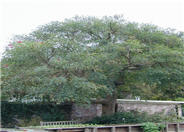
(88, 57)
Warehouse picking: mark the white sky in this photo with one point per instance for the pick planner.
(23, 16)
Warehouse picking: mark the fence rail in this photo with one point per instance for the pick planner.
(59, 123)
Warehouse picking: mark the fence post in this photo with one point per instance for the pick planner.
(86, 130)
(113, 129)
(178, 127)
(41, 123)
(94, 129)
(129, 129)
(166, 127)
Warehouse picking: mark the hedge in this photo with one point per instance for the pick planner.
(21, 114)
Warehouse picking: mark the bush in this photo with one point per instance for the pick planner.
(34, 121)
(152, 127)
(131, 117)
(21, 114)
(119, 118)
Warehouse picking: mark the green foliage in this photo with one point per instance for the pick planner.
(179, 99)
(22, 114)
(87, 57)
(118, 118)
(132, 118)
(34, 121)
(152, 127)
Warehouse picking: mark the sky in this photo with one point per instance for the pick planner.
(23, 16)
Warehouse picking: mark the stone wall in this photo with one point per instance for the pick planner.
(86, 112)
(151, 107)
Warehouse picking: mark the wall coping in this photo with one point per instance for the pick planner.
(122, 101)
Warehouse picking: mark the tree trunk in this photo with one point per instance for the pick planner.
(108, 104)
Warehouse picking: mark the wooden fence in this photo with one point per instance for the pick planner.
(170, 127)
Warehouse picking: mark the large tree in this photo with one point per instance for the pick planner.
(87, 57)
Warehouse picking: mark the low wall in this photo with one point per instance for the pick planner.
(87, 112)
(151, 107)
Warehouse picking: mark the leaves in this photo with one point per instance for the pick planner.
(87, 57)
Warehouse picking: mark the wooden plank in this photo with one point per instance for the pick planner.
(136, 129)
(172, 127)
(182, 127)
(121, 129)
(105, 129)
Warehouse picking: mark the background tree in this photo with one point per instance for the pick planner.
(87, 57)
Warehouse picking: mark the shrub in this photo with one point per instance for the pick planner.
(21, 114)
(152, 127)
(131, 117)
(34, 121)
(119, 118)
